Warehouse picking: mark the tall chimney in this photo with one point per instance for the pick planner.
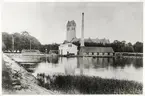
(82, 31)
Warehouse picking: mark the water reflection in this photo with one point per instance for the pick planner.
(30, 67)
(70, 66)
(50, 59)
(125, 68)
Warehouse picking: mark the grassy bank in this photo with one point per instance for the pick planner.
(92, 85)
(16, 80)
(6, 79)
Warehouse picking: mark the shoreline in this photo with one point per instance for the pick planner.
(89, 85)
(30, 83)
(18, 80)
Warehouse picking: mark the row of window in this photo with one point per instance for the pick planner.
(92, 53)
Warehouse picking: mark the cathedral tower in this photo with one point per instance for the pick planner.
(71, 30)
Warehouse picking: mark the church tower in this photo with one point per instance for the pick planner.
(71, 30)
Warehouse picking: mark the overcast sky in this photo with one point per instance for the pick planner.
(47, 21)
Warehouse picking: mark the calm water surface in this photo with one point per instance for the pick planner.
(126, 68)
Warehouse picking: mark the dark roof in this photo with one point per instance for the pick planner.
(98, 49)
(71, 23)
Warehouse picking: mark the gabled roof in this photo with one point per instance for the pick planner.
(71, 23)
(98, 49)
(66, 44)
(75, 40)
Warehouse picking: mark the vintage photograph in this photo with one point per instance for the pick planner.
(72, 48)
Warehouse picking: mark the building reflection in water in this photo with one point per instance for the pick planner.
(103, 67)
(70, 65)
(89, 62)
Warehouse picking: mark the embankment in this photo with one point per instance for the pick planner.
(16, 80)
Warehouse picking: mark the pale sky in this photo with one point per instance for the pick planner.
(47, 21)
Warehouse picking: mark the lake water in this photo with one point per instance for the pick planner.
(126, 68)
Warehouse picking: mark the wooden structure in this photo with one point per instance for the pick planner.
(96, 51)
(68, 48)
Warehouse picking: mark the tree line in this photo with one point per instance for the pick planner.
(25, 41)
(21, 41)
(118, 46)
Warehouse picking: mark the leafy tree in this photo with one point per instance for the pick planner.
(130, 47)
(21, 41)
(24, 39)
(7, 40)
(49, 47)
(3, 46)
(17, 41)
(138, 47)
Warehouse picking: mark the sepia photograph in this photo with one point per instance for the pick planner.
(55, 48)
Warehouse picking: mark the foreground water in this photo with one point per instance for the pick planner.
(123, 69)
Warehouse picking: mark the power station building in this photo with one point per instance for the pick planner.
(69, 48)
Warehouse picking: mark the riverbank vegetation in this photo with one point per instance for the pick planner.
(16, 80)
(91, 85)
(23, 40)
(6, 79)
(118, 46)
(132, 54)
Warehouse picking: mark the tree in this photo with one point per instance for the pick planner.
(7, 40)
(17, 41)
(3, 46)
(138, 47)
(117, 46)
(49, 47)
(130, 47)
(21, 41)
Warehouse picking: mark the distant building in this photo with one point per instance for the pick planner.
(71, 30)
(71, 35)
(97, 51)
(93, 51)
(90, 40)
(68, 48)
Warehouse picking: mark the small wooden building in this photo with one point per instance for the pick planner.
(68, 48)
(97, 51)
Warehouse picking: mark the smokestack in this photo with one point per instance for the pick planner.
(82, 32)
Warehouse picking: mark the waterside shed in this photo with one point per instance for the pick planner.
(68, 48)
(97, 51)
